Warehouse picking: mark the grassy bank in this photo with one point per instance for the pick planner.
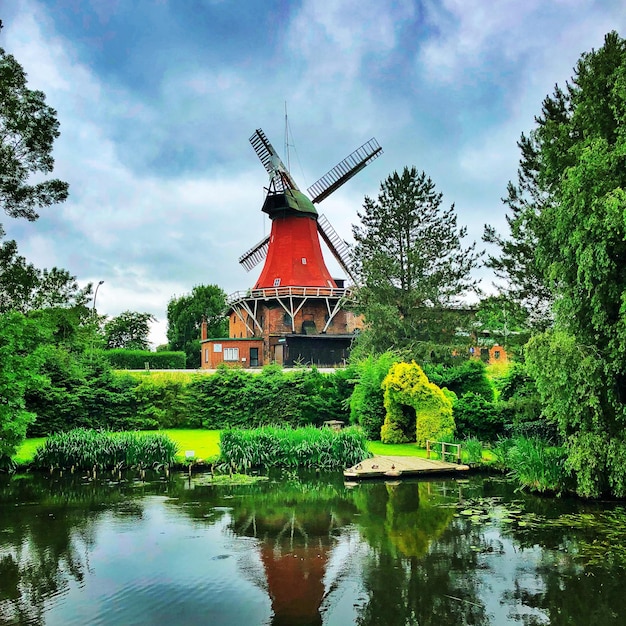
(205, 444)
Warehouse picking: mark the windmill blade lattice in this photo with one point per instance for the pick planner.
(345, 170)
(336, 245)
(255, 255)
(280, 177)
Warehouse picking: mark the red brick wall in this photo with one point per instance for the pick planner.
(210, 359)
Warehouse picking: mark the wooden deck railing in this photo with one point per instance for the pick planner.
(447, 449)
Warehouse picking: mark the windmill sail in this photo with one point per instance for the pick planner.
(255, 255)
(345, 170)
(336, 245)
(286, 205)
(280, 177)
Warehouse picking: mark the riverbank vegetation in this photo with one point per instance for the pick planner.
(84, 449)
(314, 448)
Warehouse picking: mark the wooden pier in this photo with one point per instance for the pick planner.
(397, 466)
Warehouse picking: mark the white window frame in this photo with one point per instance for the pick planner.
(231, 354)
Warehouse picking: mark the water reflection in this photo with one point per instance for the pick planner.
(303, 550)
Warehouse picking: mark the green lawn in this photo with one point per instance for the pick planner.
(204, 443)
(395, 449)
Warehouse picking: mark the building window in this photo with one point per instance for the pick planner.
(217, 347)
(277, 282)
(206, 355)
(303, 260)
(231, 354)
(496, 354)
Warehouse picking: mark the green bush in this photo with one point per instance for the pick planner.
(235, 398)
(468, 376)
(310, 447)
(119, 358)
(80, 391)
(88, 449)
(476, 417)
(367, 407)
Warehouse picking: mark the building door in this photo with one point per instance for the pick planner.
(254, 357)
(278, 354)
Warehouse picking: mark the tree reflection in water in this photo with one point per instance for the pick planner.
(441, 552)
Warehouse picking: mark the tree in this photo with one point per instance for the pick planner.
(20, 360)
(504, 319)
(573, 163)
(186, 314)
(411, 264)
(28, 128)
(24, 288)
(128, 330)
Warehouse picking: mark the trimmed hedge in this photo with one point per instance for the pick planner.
(119, 358)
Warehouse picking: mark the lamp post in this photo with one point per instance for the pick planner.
(95, 295)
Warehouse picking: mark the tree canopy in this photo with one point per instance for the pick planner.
(570, 209)
(186, 314)
(28, 128)
(24, 288)
(129, 330)
(411, 263)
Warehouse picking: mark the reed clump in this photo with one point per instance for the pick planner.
(88, 449)
(307, 447)
(534, 464)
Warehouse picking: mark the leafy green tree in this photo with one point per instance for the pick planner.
(185, 316)
(129, 330)
(504, 319)
(20, 361)
(411, 263)
(574, 204)
(28, 128)
(23, 287)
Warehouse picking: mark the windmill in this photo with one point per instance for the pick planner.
(292, 252)
(295, 312)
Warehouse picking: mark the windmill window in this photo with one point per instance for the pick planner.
(303, 260)
(277, 282)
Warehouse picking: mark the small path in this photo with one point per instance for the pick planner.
(396, 466)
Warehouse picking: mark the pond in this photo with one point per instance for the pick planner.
(304, 549)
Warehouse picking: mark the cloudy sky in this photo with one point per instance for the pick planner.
(157, 100)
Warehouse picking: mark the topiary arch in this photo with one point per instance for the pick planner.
(417, 409)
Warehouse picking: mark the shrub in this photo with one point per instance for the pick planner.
(417, 409)
(476, 417)
(470, 375)
(367, 401)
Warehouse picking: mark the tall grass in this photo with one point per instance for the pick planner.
(90, 449)
(534, 464)
(307, 447)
